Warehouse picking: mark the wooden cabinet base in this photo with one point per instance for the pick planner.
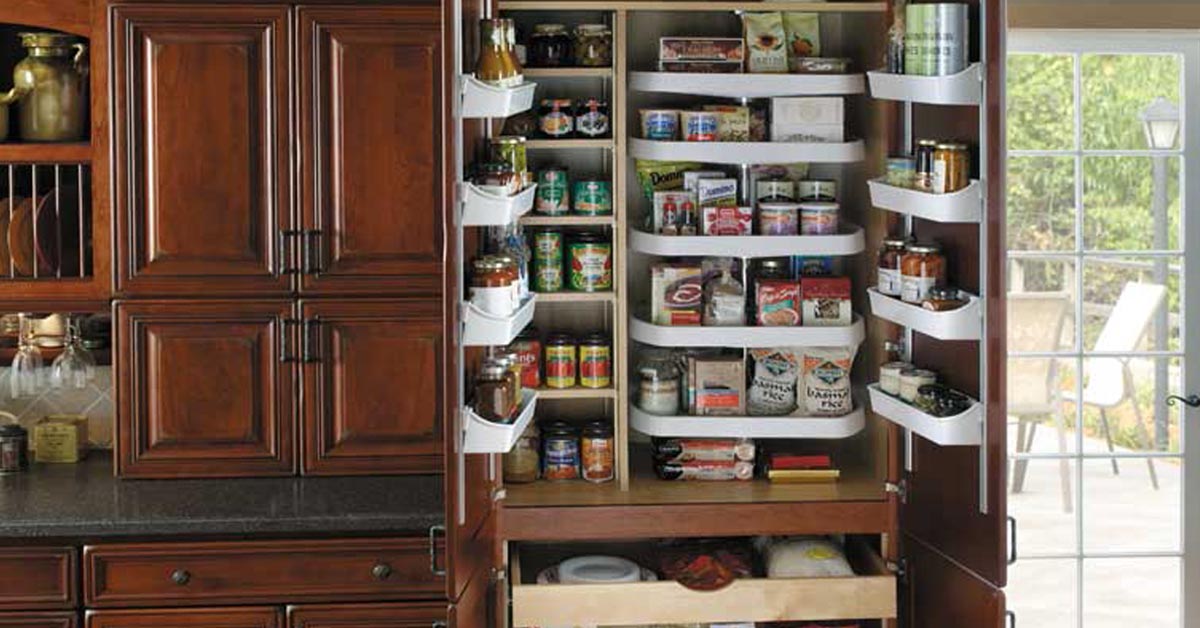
(188, 618)
(39, 620)
(367, 616)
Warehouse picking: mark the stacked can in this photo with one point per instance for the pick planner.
(548, 260)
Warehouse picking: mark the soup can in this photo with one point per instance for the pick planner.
(699, 126)
(592, 198)
(548, 261)
(778, 219)
(818, 218)
(660, 124)
(935, 43)
(553, 197)
(590, 260)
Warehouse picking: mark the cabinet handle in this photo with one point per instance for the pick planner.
(181, 577)
(285, 340)
(313, 253)
(1012, 539)
(286, 237)
(381, 571)
(434, 532)
(311, 350)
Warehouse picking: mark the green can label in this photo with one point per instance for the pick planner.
(548, 245)
(547, 275)
(553, 198)
(593, 198)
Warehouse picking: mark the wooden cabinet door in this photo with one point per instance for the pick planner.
(371, 112)
(39, 620)
(373, 394)
(202, 165)
(205, 388)
(369, 616)
(188, 618)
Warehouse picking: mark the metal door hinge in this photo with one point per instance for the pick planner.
(497, 575)
(286, 351)
(286, 251)
(898, 567)
(499, 494)
(434, 533)
(899, 489)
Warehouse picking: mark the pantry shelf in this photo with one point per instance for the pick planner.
(747, 337)
(566, 221)
(486, 437)
(575, 297)
(963, 206)
(961, 429)
(965, 323)
(568, 72)
(747, 426)
(577, 393)
(748, 152)
(563, 144)
(850, 242)
(481, 329)
(964, 88)
(482, 209)
(47, 153)
(480, 100)
(747, 85)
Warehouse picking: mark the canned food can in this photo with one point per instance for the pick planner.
(592, 198)
(595, 362)
(560, 361)
(778, 219)
(774, 191)
(819, 218)
(817, 190)
(935, 43)
(553, 195)
(660, 124)
(548, 261)
(590, 260)
(699, 126)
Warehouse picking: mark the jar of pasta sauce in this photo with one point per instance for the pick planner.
(921, 268)
(595, 361)
(596, 452)
(560, 451)
(561, 361)
(889, 266)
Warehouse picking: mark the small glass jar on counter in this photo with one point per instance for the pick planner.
(659, 388)
(550, 46)
(890, 253)
(597, 450)
(593, 45)
(495, 396)
(561, 361)
(595, 361)
(560, 451)
(921, 268)
(14, 446)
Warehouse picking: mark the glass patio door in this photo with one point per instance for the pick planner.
(1104, 204)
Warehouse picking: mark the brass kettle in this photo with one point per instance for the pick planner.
(50, 87)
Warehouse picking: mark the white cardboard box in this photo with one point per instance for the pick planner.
(808, 119)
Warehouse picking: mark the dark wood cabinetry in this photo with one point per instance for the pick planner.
(370, 118)
(372, 399)
(38, 578)
(369, 616)
(205, 388)
(202, 165)
(189, 618)
(38, 620)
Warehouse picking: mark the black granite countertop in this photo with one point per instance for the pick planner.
(84, 502)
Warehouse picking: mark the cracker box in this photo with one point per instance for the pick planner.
(715, 49)
(720, 386)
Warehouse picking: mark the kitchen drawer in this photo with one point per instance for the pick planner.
(869, 595)
(420, 615)
(269, 572)
(39, 620)
(38, 578)
(188, 618)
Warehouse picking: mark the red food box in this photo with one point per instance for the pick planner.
(727, 221)
(778, 303)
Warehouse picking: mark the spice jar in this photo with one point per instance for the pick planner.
(943, 299)
(497, 64)
(561, 352)
(889, 377)
(492, 286)
(495, 398)
(951, 168)
(14, 446)
(549, 46)
(658, 392)
(597, 452)
(560, 451)
(592, 118)
(512, 362)
(556, 118)
(510, 149)
(593, 45)
(595, 361)
(889, 266)
(921, 268)
(913, 379)
(923, 175)
(522, 464)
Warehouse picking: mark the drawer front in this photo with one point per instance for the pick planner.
(274, 572)
(188, 618)
(368, 615)
(37, 578)
(38, 620)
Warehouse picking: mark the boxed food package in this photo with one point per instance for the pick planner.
(705, 471)
(692, 177)
(669, 210)
(716, 192)
(703, 450)
(825, 302)
(702, 67)
(718, 49)
(727, 221)
(659, 176)
(825, 381)
(803, 33)
(720, 385)
(808, 119)
(676, 292)
(60, 438)
(765, 40)
(733, 122)
(777, 303)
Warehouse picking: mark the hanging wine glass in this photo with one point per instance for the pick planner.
(75, 367)
(25, 376)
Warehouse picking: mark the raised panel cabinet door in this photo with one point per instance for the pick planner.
(39, 620)
(368, 616)
(373, 393)
(202, 165)
(205, 389)
(188, 618)
(371, 113)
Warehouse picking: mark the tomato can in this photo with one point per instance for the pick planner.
(553, 193)
(590, 260)
(592, 198)
(595, 361)
(560, 361)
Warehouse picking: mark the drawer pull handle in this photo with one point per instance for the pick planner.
(381, 571)
(181, 577)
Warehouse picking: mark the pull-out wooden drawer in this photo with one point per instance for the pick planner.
(39, 620)
(270, 572)
(869, 595)
(37, 578)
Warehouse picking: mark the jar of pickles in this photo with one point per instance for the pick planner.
(550, 46)
(593, 45)
(921, 268)
(510, 149)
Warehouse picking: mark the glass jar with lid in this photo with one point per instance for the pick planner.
(943, 299)
(889, 266)
(560, 451)
(550, 46)
(597, 452)
(659, 387)
(494, 393)
(491, 286)
(522, 465)
(593, 45)
(512, 362)
(497, 178)
(497, 64)
(921, 268)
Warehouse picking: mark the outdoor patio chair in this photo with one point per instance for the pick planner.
(1035, 324)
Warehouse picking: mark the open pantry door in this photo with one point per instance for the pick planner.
(953, 518)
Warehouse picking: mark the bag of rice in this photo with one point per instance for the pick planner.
(773, 382)
(825, 380)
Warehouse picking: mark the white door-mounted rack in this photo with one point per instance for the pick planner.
(746, 337)
(482, 436)
(964, 323)
(961, 429)
(849, 242)
(738, 153)
(817, 427)
(747, 85)
(964, 88)
(484, 209)
(965, 205)
(481, 329)
(481, 100)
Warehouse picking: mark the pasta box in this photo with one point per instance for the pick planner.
(825, 302)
